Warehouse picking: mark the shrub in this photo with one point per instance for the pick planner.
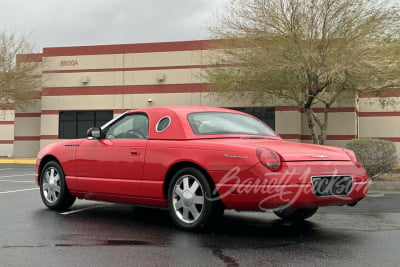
(377, 156)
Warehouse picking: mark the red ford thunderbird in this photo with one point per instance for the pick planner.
(197, 162)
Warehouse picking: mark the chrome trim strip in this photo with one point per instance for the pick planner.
(235, 156)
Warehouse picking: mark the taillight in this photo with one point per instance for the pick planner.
(269, 158)
(353, 157)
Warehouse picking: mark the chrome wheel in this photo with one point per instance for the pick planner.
(188, 199)
(51, 185)
(192, 204)
(53, 188)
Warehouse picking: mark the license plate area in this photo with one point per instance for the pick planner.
(332, 185)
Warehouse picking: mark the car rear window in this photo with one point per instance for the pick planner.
(213, 123)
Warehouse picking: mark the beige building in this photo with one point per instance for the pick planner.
(88, 85)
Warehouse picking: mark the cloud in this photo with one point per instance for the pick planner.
(91, 22)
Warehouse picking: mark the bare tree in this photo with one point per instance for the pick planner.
(308, 52)
(18, 71)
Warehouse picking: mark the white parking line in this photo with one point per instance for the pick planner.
(6, 169)
(85, 209)
(18, 175)
(22, 190)
(14, 181)
(375, 195)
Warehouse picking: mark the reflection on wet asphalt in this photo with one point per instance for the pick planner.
(329, 236)
(152, 227)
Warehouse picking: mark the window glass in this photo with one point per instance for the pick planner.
(99, 123)
(68, 129)
(74, 124)
(86, 115)
(68, 115)
(82, 128)
(203, 123)
(131, 126)
(163, 124)
(265, 114)
(103, 115)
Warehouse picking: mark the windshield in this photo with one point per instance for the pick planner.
(204, 123)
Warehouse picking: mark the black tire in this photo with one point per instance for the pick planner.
(296, 214)
(53, 189)
(192, 205)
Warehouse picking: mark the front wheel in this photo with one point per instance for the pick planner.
(53, 189)
(296, 214)
(190, 200)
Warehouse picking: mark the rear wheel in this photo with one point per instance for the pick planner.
(296, 214)
(190, 200)
(53, 189)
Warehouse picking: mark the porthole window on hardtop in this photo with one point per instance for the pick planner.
(163, 124)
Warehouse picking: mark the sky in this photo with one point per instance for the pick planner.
(55, 23)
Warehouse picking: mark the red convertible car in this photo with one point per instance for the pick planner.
(197, 162)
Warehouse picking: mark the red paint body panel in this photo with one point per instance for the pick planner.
(111, 166)
(276, 196)
(135, 170)
(259, 188)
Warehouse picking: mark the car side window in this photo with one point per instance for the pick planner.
(132, 126)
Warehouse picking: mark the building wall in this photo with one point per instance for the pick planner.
(119, 78)
(123, 77)
(380, 118)
(26, 134)
(27, 119)
(6, 132)
(288, 122)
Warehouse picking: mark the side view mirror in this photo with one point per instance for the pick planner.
(94, 132)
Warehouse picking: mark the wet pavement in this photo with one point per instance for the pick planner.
(106, 234)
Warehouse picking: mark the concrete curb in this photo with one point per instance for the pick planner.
(17, 161)
(384, 187)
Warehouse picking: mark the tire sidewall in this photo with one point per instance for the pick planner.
(204, 218)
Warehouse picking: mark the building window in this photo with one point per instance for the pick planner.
(74, 124)
(267, 115)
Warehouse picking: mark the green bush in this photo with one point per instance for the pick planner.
(377, 156)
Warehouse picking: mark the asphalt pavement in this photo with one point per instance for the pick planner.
(107, 234)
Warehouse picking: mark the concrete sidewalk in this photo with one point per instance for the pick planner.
(374, 186)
